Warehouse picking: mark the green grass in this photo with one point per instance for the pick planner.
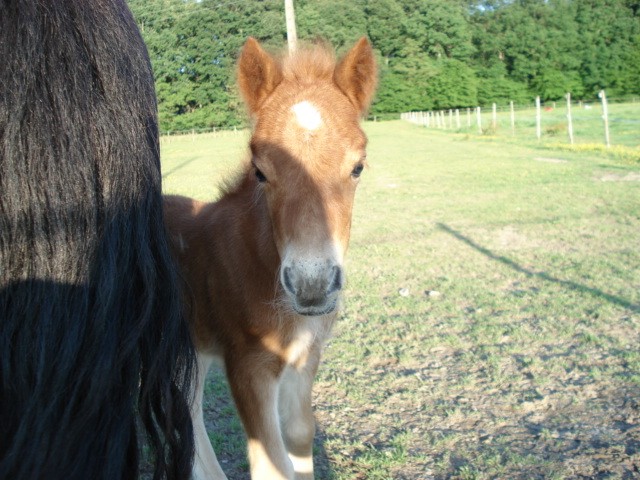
(525, 365)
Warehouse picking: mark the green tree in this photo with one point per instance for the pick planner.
(193, 48)
(340, 23)
(609, 36)
(455, 85)
(386, 26)
(441, 28)
(405, 80)
(432, 53)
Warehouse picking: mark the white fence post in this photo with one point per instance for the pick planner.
(605, 117)
(494, 118)
(538, 130)
(457, 119)
(569, 120)
(479, 120)
(513, 118)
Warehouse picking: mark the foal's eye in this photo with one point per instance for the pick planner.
(260, 176)
(357, 170)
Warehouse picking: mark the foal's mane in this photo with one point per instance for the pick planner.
(309, 63)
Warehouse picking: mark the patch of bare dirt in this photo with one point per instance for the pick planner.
(550, 160)
(617, 177)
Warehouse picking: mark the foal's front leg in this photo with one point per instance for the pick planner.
(253, 376)
(296, 414)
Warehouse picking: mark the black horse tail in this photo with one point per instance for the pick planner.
(93, 338)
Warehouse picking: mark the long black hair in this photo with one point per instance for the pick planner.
(93, 341)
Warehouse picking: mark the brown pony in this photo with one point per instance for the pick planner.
(264, 263)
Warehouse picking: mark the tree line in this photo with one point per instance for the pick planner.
(433, 54)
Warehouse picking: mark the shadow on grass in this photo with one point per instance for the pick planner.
(321, 463)
(179, 167)
(545, 276)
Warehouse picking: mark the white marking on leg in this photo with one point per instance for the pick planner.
(307, 115)
(262, 465)
(302, 465)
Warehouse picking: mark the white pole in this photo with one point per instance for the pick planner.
(569, 120)
(605, 117)
(494, 118)
(450, 118)
(538, 131)
(513, 118)
(457, 119)
(468, 118)
(290, 16)
(479, 120)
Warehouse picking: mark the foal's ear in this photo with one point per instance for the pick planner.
(356, 75)
(258, 74)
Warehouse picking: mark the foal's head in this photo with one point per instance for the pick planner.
(308, 152)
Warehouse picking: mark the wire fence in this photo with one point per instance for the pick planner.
(602, 121)
(610, 123)
(169, 135)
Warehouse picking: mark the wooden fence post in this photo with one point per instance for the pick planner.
(538, 130)
(605, 117)
(569, 120)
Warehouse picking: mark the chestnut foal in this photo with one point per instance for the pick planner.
(264, 263)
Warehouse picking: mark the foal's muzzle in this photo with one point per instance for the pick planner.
(312, 286)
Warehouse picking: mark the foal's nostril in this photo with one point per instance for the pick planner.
(335, 282)
(286, 280)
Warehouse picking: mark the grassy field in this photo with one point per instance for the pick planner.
(491, 322)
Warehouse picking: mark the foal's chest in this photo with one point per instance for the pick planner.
(306, 337)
